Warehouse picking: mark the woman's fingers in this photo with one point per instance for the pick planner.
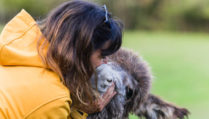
(110, 92)
(101, 102)
(107, 97)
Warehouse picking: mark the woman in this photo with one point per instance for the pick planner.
(45, 68)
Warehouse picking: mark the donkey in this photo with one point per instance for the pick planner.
(132, 77)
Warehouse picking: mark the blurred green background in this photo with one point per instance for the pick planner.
(171, 35)
(179, 64)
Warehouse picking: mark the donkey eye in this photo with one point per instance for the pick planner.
(109, 80)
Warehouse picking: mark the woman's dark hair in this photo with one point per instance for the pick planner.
(73, 31)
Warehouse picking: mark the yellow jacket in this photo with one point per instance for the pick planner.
(27, 89)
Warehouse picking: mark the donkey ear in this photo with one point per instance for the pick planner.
(156, 108)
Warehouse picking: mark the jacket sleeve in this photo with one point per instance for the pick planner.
(57, 109)
(77, 114)
(2, 114)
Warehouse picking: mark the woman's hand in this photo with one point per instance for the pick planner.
(101, 102)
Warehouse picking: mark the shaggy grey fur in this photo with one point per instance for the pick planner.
(132, 77)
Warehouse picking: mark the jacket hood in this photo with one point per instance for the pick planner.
(18, 42)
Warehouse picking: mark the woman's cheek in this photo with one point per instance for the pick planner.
(96, 60)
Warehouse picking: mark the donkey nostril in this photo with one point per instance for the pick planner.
(103, 86)
(109, 80)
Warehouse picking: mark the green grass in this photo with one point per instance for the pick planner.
(180, 64)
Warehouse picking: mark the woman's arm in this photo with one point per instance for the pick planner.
(56, 109)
